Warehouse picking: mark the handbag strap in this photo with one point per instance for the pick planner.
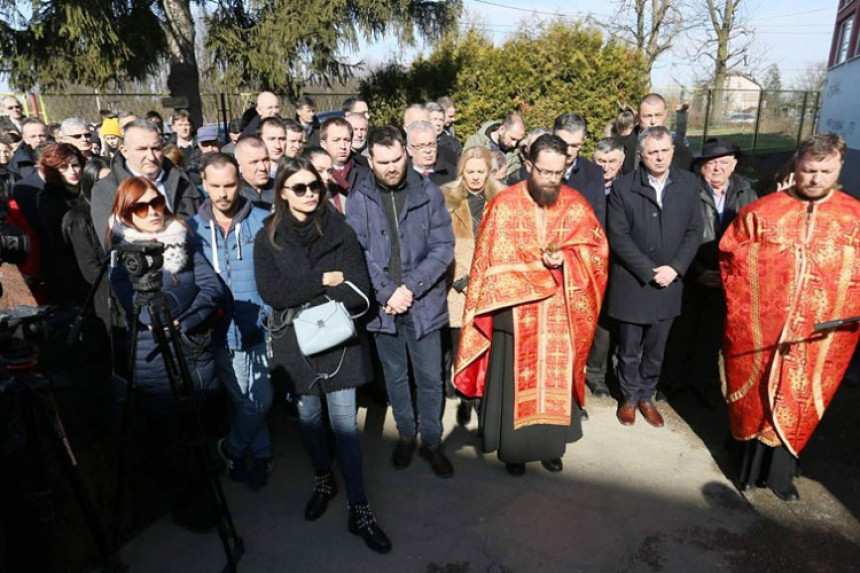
(325, 375)
(362, 295)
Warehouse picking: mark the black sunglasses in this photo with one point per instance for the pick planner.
(300, 189)
(81, 135)
(141, 208)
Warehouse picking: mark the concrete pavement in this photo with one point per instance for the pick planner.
(629, 499)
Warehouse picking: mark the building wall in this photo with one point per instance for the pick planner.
(839, 110)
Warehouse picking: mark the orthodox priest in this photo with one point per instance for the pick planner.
(789, 261)
(534, 296)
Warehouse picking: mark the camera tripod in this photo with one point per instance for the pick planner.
(31, 392)
(169, 343)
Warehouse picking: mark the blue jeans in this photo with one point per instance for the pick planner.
(342, 417)
(395, 351)
(245, 375)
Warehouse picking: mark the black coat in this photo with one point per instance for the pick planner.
(642, 236)
(740, 195)
(291, 277)
(587, 178)
(26, 193)
(60, 269)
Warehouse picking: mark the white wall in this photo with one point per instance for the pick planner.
(840, 111)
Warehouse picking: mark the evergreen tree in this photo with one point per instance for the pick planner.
(257, 44)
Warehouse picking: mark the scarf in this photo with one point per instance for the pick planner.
(173, 236)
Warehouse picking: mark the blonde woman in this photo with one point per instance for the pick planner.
(465, 198)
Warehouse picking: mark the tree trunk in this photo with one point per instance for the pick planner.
(723, 24)
(184, 77)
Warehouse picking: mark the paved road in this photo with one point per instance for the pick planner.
(629, 499)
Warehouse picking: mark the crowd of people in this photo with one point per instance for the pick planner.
(508, 271)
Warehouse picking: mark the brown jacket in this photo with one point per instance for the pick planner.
(464, 247)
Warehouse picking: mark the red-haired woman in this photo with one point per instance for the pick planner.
(194, 295)
(60, 164)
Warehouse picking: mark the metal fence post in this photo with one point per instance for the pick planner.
(802, 118)
(757, 120)
(815, 110)
(224, 116)
(708, 104)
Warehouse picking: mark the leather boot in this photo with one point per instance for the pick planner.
(325, 488)
(362, 522)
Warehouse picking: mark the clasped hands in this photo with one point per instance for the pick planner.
(399, 302)
(552, 259)
(664, 275)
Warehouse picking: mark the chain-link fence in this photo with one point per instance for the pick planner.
(754, 120)
(53, 107)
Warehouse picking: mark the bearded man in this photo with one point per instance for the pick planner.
(535, 291)
(789, 262)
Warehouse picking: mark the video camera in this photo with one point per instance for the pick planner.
(143, 261)
(22, 330)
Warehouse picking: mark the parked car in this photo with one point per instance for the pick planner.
(745, 118)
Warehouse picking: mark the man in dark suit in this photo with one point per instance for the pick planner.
(141, 155)
(654, 227)
(336, 139)
(579, 172)
(422, 149)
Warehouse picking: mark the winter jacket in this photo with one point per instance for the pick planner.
(194, 296)
(587, 178)
(290, 276)
(740, 194)
(182, 196)
(23, 161)
(80, 235)
(60, 270)
(232, 257)
(426, 249)
(644, 236)
(482, 137)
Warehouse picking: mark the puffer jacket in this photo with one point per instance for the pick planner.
(194, 296)
(426, 250)
(232, 257)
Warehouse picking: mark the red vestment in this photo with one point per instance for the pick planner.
(555, 311)
(788, 264)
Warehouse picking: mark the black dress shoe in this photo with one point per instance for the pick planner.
(599, 389)
(583, 415)
(789, 494)
(516, 470)
(464, 413)
(552, 465)
(325, 488)
(402, 456)
(439, 462)
(661, 396)
(362, 522)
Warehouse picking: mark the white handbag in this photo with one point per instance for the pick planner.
(327, 325)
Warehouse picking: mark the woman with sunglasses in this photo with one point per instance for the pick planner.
(305, 254)
(195, 298)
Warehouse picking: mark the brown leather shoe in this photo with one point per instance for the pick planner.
(626, 413)
(650, 413)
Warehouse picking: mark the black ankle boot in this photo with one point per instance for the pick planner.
(325, 488)
(362, 522)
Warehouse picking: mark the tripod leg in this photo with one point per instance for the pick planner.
(191, 406)
(60, 441)
(125, 431)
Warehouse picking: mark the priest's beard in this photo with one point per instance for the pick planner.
(545, 195)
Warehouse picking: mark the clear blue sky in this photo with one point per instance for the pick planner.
(790, 33)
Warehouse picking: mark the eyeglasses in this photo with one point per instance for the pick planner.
(141, 208)
(84, 135)
(300, 189)
(424, 147)
(547, 173)
(13, 107)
